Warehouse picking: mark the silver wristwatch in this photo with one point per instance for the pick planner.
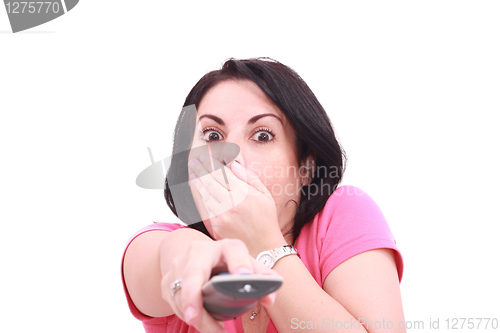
(269, 258)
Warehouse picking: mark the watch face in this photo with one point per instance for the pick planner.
(267, 260)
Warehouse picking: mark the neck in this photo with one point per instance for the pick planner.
(288, 237)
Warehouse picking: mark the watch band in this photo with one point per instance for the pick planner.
(269, 258)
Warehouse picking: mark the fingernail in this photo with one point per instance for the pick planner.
(238, 166)
(193, 176)
(192, 163)
(197, 183)
(243, 270)
(189, 314)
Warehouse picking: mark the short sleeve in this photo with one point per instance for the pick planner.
(356, 225)
(350, 223)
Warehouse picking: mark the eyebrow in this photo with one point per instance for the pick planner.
(250, 121)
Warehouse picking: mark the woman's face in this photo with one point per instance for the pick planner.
(241, 113)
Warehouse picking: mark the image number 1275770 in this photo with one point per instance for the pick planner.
(24, 15)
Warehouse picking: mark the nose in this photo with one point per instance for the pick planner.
(239, 159)
(226, 152)
(238, 143)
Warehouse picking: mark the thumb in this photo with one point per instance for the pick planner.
(249, 177)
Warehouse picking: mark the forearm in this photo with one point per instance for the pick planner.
(144, 263)
(301, 301)
(176, 244)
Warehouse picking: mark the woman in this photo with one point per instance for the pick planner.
(277, 190)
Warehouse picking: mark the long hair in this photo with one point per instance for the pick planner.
(314, 135)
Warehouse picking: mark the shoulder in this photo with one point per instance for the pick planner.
(351, 210)
(158, 226)
(348, 199)
(145, 231)
(163, 226)
(149, 231)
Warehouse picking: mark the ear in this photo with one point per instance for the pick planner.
(307, 168)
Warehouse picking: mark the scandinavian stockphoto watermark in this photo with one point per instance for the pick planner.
(430, 324)
(24, 15)
(153, 177)
(221, 154)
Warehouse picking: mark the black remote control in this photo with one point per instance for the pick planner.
(227, 296)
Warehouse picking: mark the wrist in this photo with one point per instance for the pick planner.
(270, 257)
(267, 245)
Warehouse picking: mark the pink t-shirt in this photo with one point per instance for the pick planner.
(350, 223)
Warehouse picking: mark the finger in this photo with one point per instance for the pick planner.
(235, 255)
(172, 300)
(197, 271)
(215, 208)
(198, 200)
(197, 167)
(221, 181)
(190, 301)
(212, 207)
(203, 322)
(208, 324)
(177, 305)
(215, 200)
(201, 188)
(261, 269)
(269, 299)
(202, 259)
(212, 181)
(213, 166)
(249, 177)
(214, 188)
(223, 175)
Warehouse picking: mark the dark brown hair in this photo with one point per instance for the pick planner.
(314, 134)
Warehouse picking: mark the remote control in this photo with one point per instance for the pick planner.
(227, 296)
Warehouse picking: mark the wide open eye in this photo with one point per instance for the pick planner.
(211, 134)
(263, 135)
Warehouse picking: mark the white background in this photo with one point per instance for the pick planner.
(412, 89)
